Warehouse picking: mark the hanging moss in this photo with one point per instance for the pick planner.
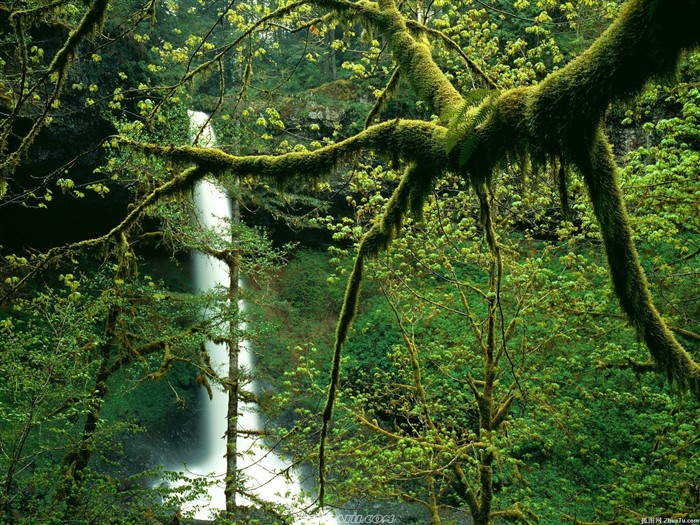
(631, 287)
(387, 93)
(90, 24)
(562, 179)
(561, 118)
(412, 141)
(411, 194)
(557, 121)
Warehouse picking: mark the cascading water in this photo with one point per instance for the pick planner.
(260, 468)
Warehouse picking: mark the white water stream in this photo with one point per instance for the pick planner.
(260, 468)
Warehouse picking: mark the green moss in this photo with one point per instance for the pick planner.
(90, 24)
(555, 122)
(413, 140)
(628, 277)
(416, 62)
(562, 118)
(387, 93)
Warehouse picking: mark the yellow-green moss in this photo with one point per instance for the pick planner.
(412, 141)
(416, 62)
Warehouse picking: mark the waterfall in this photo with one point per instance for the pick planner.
(214, 212)
(259, 467)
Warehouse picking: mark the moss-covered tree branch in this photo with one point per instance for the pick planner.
(562, 117)
(410, 140)
(91, 22)
(412, 54)
(453, 46)
(184, 180)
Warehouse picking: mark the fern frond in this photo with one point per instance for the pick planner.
(459, 120)
(471, 139)
(476, 110)
(460, 117)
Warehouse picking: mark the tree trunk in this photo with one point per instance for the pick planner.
(233, 384)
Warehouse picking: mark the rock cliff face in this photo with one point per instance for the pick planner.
(36, 212)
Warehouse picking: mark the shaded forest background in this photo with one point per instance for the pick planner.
(103, 338)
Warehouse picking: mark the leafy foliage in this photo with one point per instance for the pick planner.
(489, 372)
(466, 120)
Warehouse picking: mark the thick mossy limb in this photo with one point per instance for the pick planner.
(411, 52)
(562, 118)
(450, 44)
(599, 171)
(413, 141)
(561, 115)
(644, 42)
(416, 61)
